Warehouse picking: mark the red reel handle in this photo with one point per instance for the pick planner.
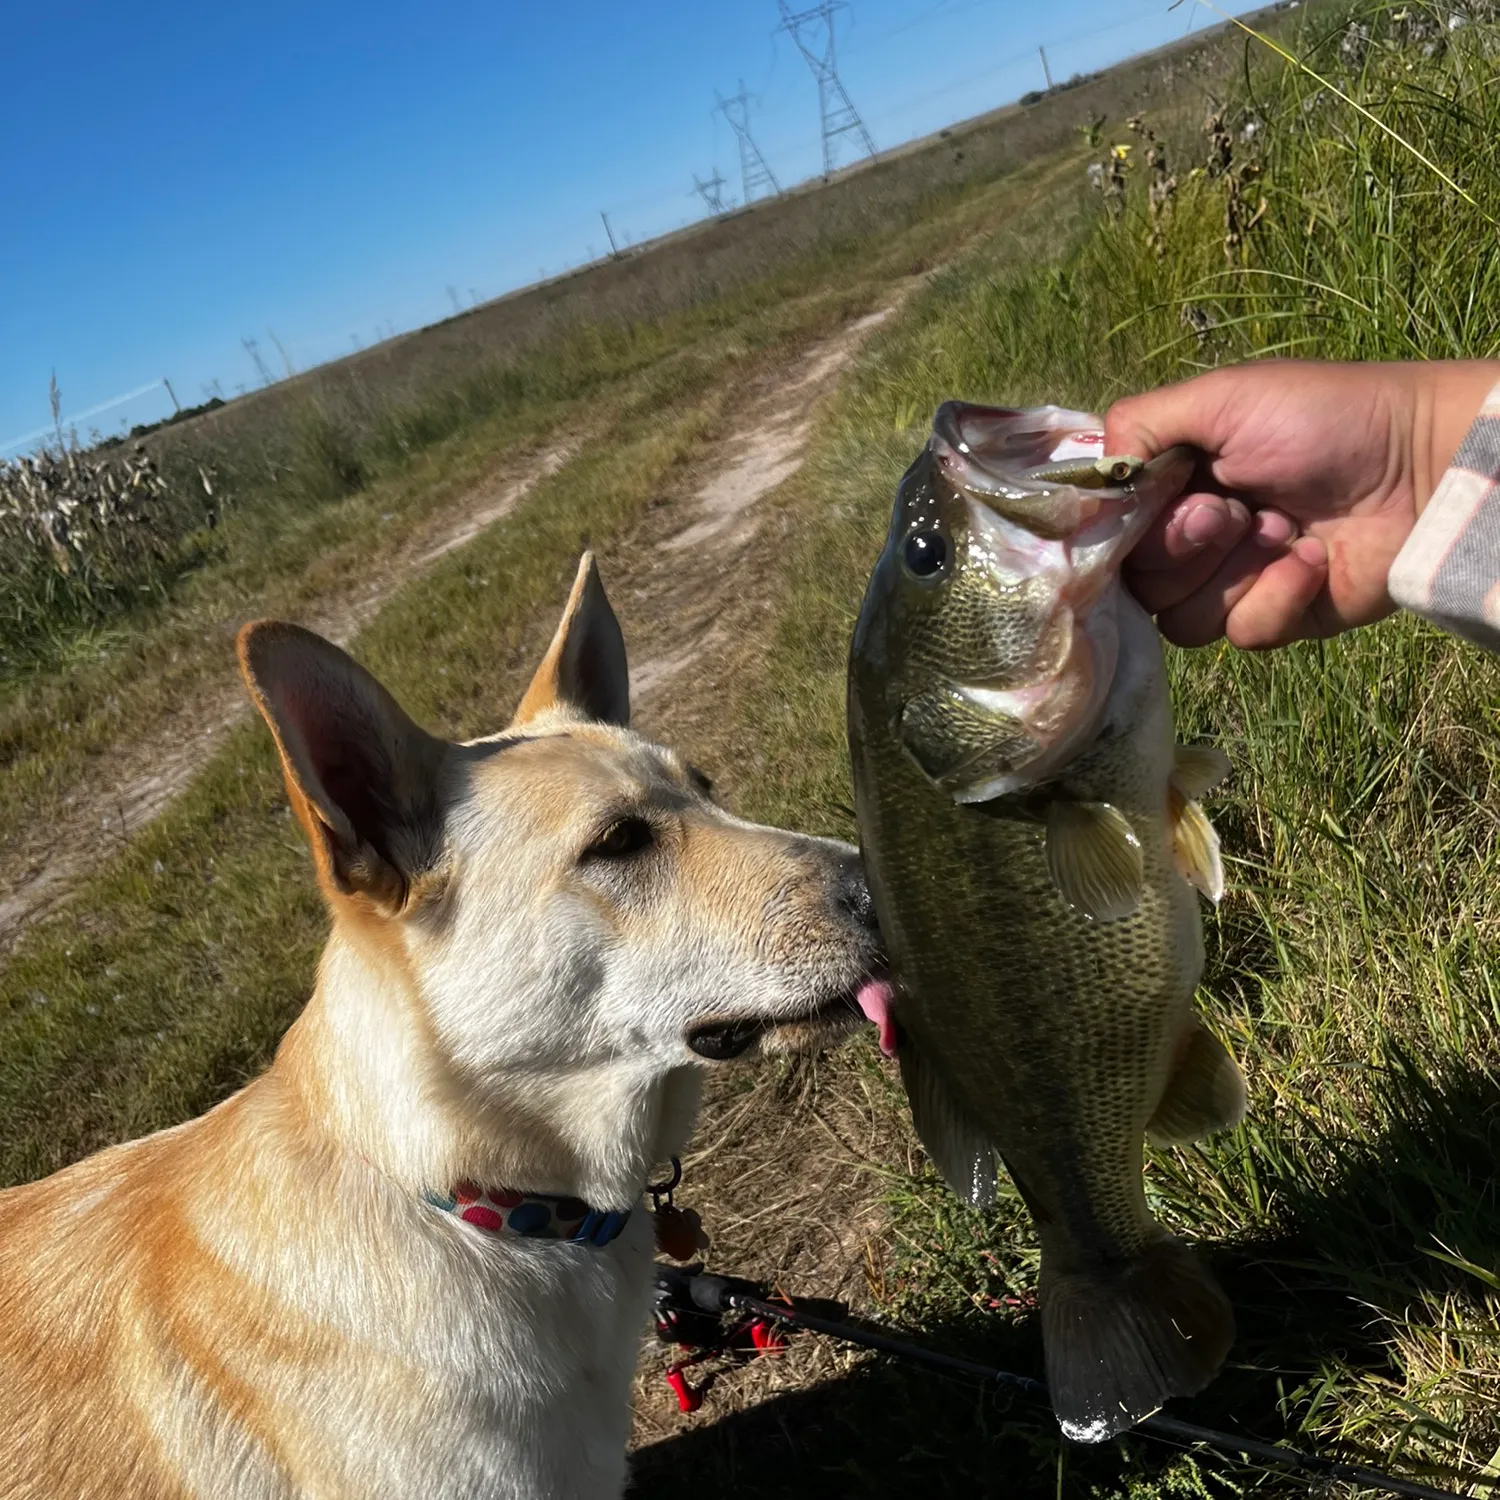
(767, 1338)
(689, 1397)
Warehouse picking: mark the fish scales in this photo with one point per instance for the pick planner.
(1033, 841)
(1062, 993)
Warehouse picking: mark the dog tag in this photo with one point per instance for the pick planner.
(679, 1232)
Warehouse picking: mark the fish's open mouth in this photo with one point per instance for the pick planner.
(719, 1041)
(1004, 444)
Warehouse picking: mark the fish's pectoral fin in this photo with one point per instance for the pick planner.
(957, 1147)
(1205, 1092)
(1195, 845)
(1198, 769)
(1123, 1338)
(957, 743)
(1094, 858)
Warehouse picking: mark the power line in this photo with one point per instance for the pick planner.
(835, 107)
(755, 175)
(82, 416)
(952, 85)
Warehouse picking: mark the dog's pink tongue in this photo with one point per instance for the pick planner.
(875, 998)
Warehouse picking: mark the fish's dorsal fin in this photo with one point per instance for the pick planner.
(1198, 769)
(958, 1148)
(1195, 845)
(1095, 859)
(1205, 1091)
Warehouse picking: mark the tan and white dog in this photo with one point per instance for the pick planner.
(313, 1290)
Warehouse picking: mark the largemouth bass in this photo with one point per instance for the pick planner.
(1033, 839)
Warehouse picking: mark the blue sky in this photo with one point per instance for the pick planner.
(178, 177)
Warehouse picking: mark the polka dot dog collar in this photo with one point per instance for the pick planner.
(533, 1216)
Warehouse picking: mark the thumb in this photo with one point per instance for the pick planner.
(1192, 411)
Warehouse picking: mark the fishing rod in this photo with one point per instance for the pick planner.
(686, 1296)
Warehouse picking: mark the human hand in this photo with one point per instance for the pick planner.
(1312, 477)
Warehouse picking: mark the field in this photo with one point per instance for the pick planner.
(1354, 1220)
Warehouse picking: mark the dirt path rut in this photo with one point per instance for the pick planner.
(785, 1165)
(682, 587)
(135, 781)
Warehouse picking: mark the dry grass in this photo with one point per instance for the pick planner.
(79, 529)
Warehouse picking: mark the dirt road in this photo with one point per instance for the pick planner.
(130, 785)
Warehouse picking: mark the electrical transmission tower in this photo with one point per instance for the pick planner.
(755, 175)
(252, 348)
(711, 192)
(808, 28)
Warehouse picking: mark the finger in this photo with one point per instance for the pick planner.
(1191, 411)
(1276, 609)
(1184, 528)
(1185, 549)
(1200, 618)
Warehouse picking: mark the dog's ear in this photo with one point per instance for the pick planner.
(363, 779)
(584, 671)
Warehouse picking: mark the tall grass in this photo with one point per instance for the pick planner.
(82, 532)
(1357, 1215)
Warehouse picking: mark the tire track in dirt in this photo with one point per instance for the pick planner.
(133, 783)
(692, 560)
(785, 1171)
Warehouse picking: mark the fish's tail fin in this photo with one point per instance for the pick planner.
(1121, 1341)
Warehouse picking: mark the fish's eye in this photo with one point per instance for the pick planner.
(925, 553)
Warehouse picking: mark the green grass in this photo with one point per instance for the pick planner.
(1355, 1219)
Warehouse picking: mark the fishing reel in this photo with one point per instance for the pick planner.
(705, 1315)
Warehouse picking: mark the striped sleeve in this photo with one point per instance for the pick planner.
(1449, 568)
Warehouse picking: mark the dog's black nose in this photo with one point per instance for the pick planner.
(852, 891)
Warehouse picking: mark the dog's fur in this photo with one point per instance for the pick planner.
(531, 934)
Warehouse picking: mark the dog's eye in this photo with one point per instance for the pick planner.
(702, 780)
(621, 840)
